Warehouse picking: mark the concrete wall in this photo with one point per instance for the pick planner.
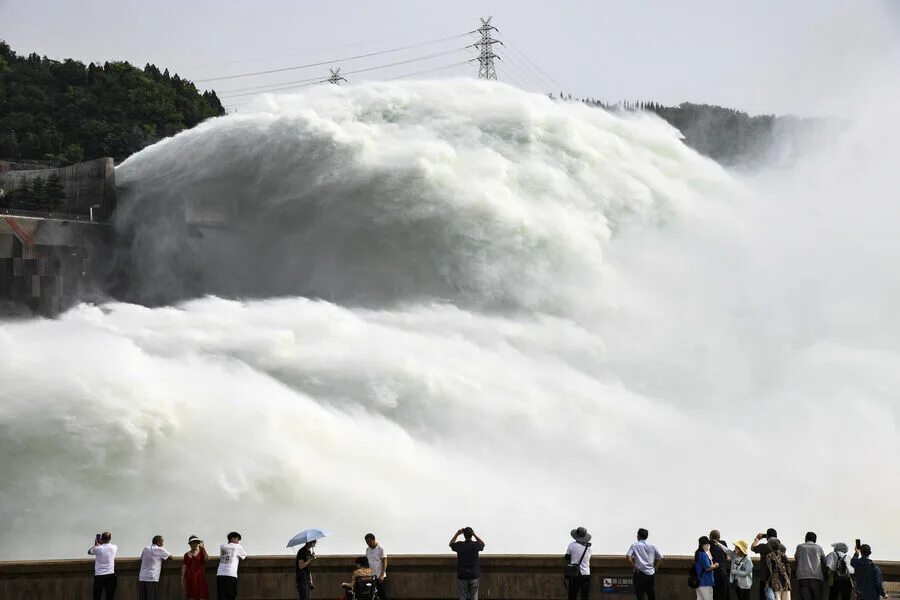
(535, 577)
(85, 184)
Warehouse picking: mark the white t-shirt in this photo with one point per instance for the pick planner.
(151, 562)
(105, 563)
(376, 558)
(575, 550)
(229, 556)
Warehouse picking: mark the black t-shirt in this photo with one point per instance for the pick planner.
(467, 559)
(303, 554)
(762, 548)
(720, 557)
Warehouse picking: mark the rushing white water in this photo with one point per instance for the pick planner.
(474, 306)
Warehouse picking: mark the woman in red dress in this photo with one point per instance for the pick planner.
(193, 571)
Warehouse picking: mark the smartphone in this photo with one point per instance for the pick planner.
(98, 537)
(858, 544)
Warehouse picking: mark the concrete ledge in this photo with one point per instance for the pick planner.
(419, 577)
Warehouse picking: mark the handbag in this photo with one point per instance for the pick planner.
(574, 569)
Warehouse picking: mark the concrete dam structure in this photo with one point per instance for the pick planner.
(55, 233)
(410, 577)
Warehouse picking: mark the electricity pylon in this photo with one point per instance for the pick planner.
(336, 77)
(485, 47)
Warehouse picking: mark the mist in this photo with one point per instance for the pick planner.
(456, 303)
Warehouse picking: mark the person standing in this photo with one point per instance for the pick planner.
(718, 549)
(779, 570)
(305, 556)
(760, 546)
(644, 557)
(193, 571)
(578, 559)
(230, 556)
(705, 568)
(468, 569)
(809, 557)
(869, 580)
(152, 559)
(104, 554)
(839, 573)
(741, 574)
(377, 558)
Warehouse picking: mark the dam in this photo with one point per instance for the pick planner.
(411, 577)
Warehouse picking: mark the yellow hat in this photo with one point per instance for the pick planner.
(742, 545)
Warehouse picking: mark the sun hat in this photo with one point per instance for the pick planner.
(581, 535)
(744, 546)
(194, 538)
(840, 546)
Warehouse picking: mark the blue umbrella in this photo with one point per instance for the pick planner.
(308, 535)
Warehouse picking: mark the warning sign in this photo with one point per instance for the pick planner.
(618, 585)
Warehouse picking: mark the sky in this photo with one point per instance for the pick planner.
(773, 56)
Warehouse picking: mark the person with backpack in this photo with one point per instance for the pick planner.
(869, 581)
(779, 571)
(705, 569)
(839, 573)
(760, 545)
(578, 564)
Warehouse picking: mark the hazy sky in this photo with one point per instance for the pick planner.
(804, 56)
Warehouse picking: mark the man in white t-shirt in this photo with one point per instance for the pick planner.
(151, 566)
(104, 554)
(230, 555)
(377, 558)
(578, 555)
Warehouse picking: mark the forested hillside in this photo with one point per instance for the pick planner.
(67, 111)
(730, 136)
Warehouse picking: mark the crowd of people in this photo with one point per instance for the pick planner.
(722, 573)
(718, 572)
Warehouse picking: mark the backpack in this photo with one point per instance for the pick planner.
(693, 578)
(841, 573)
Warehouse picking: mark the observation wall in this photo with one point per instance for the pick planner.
(420, 577)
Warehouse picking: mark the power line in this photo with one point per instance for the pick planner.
(424, 71)
(268, 85)
(540, 70)
(405, 62)
(403, 36)
(336, 60)
(522, 74)
(279, 87)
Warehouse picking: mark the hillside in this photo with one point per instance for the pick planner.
(66, 111)
(733, 137)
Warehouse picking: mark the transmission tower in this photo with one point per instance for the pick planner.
(485, 48)
(336, 77)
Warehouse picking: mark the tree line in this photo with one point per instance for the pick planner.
(66, 111)
(38, 194)
(729, 136)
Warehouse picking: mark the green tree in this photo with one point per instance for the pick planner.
(55, 193)
(49, 108)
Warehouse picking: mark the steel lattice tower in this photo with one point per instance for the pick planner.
(485, 47)
(336, 77)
